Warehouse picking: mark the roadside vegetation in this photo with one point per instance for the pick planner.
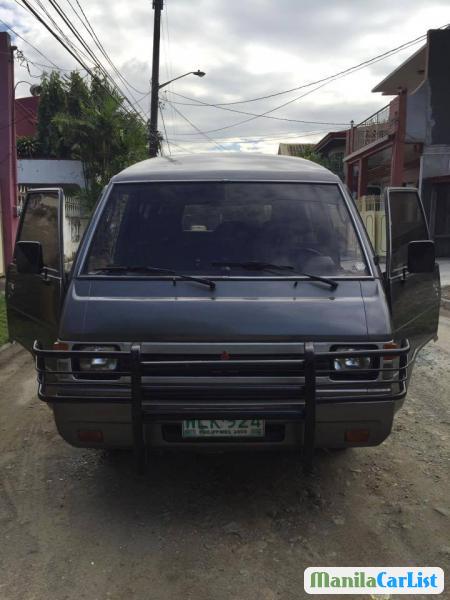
(83, 118)
(3, 324)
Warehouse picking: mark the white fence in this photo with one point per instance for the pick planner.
(373, 215)
(75, 220)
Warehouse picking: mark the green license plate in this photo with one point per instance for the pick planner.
(226, 428)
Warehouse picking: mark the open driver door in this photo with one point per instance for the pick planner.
(35, 277)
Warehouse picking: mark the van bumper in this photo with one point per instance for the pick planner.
(306, 412)
(333, 422)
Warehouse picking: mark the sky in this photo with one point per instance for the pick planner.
(248, 49)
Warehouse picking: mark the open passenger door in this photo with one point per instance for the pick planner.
(35, 278)
(412, 275)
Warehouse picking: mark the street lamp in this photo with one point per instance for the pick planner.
(35, 90)
(153, 136)
(198, 73)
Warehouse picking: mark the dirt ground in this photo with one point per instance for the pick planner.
(78, 524)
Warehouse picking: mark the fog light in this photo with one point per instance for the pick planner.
(90, 436)
(98, 363)
(357, 436)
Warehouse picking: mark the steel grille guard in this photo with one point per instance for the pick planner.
(305, 413)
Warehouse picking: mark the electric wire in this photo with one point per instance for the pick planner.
(75, 55)
(203, 133)
(242, 112)
(84, 44)
(165, 130)
(263, 114)
(322, 84)
(32, 46)
(89, 28)
(364, 63)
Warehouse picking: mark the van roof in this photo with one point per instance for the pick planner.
(226, 165)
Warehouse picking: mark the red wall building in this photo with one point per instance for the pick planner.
(408, 141)
(26, 110)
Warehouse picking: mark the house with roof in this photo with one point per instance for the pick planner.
(332, 149)
(407, 142)
(298, 150)
(19, 120)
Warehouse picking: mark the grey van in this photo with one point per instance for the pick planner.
(224, 301)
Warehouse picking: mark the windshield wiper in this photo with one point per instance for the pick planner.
(333, 284)
(148, 269)
(254, 265)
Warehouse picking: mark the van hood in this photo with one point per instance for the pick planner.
(124, 310)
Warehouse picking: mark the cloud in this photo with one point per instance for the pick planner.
(248, 49)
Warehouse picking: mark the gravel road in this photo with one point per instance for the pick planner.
(77, 524)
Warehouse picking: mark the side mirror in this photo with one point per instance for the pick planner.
(421, 256)
(29, 258)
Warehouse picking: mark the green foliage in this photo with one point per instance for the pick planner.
(52, 101)
(309, 154)
(27, 146)
(84, 119)
(4, 336)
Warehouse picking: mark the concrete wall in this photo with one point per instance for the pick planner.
(436, 161)
(438, 70)
(416, 114)
(47, 172)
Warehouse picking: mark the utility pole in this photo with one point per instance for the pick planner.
(153, 135)
(8, 156)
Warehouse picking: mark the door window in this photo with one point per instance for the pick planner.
(442, 221)
(40, 224)
(407, 225)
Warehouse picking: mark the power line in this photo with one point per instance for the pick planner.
(263, 114)
(31, 45)
(90, 52)
(75, 55)
(67, 42)
(322, 82)
(182, 148)
(242, 112)
(168, 56)
(165, 130)
(203, 133)
(263, 138)
(58, 29)
(87, 25)
(345, 71)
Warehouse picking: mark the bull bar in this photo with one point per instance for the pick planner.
(306, 412)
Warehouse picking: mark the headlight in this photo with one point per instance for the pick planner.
(98, 363)
(351, 362)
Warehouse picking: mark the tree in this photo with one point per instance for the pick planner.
(85, 119)
(52, 101)
(309, 154)
(27, 146)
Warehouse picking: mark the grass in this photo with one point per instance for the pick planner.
(4, 337)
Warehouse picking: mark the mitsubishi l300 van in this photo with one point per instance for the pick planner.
(223, 301)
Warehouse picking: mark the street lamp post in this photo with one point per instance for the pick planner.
(153, 137)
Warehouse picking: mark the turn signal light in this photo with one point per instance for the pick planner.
(390, 346)
(357, 436)
(90, 436)
(60, 346)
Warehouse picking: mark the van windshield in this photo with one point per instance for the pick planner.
(208, 228)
